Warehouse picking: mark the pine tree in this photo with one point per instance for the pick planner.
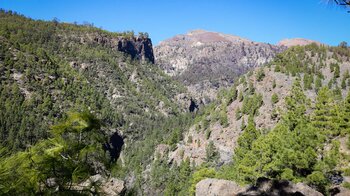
(325, 115)
(345, 115)
(240, 96)
(296, 104)
(249, 134)
(318, 83)
(71, 155)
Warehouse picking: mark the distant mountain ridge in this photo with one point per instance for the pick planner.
(296, 42)
(205, 61)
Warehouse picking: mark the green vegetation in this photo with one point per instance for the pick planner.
(49, 68)
(72, 153)
(260, 74)
(291, 150)
(251, 104)
(274, 98)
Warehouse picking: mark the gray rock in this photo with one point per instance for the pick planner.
(137, 47)
(305, 190)
(110, 186)
(216, 187)
(205, 61)
(263, 186)
(113, 187)
(341, 191)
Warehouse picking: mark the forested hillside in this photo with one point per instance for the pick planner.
(287, 120)
(49, 68)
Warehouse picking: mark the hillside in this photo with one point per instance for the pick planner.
(287, 120)
(90, 112)
(51, 68)
(205, 61)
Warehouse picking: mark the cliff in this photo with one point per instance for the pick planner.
(139, 47)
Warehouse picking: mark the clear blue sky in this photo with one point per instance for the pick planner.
(259, 20)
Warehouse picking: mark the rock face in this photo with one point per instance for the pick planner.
(264, 186)
(111, 186)
(137, 47)
(213, 187)
(205, 61)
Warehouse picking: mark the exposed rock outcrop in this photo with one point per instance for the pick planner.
(205, 61)
(111, 186)
(213, 187)
(264, 186)
(197, 138)
(137, 47)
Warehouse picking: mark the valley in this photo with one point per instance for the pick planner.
(89, 111)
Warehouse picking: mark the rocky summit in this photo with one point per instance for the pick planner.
(205, 61)
(296, 42)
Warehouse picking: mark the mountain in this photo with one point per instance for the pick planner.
(286, 120)
(296, 42)
(205, 61)
(86, 111)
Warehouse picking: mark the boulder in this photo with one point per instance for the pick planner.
(341, 191)
(113, 187)
(110, 186)
(305, 190)
(215, 187)
(263, 186)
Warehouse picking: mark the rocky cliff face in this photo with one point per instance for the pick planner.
(140, 48)
(205, 61)
(137, 47)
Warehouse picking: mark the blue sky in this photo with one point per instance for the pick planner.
(258, 20)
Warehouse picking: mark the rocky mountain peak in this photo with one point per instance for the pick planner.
(200, 37)
(296, 42)
(205, 61)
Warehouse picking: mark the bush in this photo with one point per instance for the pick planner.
(260, 74)
(207, 134)
(274, 98)
(318, 179)
(274, 84)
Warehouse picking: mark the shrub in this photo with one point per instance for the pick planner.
(274, 98)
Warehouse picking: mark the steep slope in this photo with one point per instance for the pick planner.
(283, 108)
(50, 68)
(205, 61)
